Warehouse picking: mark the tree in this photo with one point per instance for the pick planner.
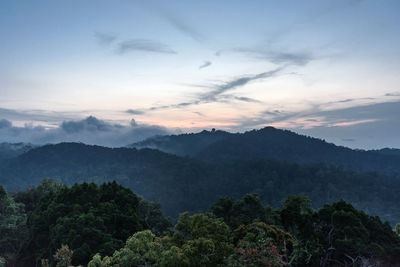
(151, 215)
(12, 227)
(204, 240)
(31, 196)
(63, 256)
(397, 229)
(245, 211)
(198, 240)
(86, 217)
(256, 250)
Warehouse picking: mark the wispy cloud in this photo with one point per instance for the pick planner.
(393, 94)
(212, 95)
(272, 113)
(347, 100)
(247, 99)
(311, 18)
(205, 64)
(105, 38)
(299, 58)
(144, 45)
(198, 113)
(218, 92)
(184, 27)
(135, 112)
(175, 106)
(36, 115)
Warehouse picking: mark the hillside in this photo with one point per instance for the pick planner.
(184, 144)
(10, 150)
(182, 184)
(269, 142)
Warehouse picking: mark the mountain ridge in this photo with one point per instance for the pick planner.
(189, 184)
(269, 142)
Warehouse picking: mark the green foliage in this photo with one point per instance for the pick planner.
(93, 220)
(31, 196)
(245, 211)
(296, 216)
(174, 256)
(151, 215)
(397, 229)
(256, 250)
(280, 238)
(205, 240)
(187, 184)
(198, 240)
(356, 234)
(269, 142)
(141, 249)
(12, 227)
(86, 217)
(44, 263)
(336, 233)
(63, 256)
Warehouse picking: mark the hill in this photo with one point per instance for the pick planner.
(184, 144)
(269, 142)
(10, 150)
(187, 184)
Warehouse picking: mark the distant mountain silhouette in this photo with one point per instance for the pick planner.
(188, 184)
(269, 142)
(11, 150)
(184, 144)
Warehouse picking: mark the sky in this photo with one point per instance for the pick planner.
(116, 72)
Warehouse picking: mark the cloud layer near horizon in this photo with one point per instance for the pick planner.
(89, 130)
(368, 126)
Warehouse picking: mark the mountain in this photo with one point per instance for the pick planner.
(11, 150)
(188, 184)
(269, 142)
(183, 145)
(388, 151)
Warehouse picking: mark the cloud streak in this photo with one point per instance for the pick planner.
(135, 112)
(205, 64)
(311, 18)
(218, 92)
(276, 57)
(36, 115)
(393, 94)
(144, 45)
(212, 95)
(184, 28)
(105, 38)
(247, 99)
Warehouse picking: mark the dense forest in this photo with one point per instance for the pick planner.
(11, 150)
(269, 142)
(188, 184)
(108, 225)
(262, 198)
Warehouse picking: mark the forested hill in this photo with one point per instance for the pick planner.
(269, 142)
(72, 162)
(184, 144)
(10, 150)
(187, 184)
